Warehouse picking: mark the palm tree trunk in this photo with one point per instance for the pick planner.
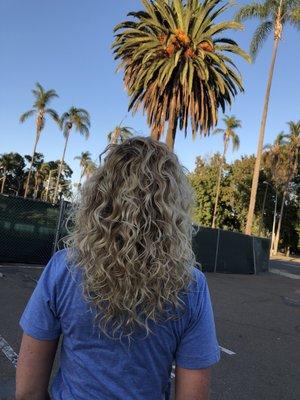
(35, 185)
(60, 167)
(277, 236)
(31, 163)
(170, 140)
(213, 225)
(81, 176)
(3, 180)
(250, 216)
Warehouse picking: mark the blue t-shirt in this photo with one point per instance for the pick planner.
(93, 366)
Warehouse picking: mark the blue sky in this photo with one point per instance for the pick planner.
(65, 45)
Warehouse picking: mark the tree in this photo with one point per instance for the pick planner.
(275, 163)
(80, 120)
(228, 133)
(177, 64)
(290, 170)
(273, 15)
(5, 164)
(85, 162)
(40, 110)
(12, 171)
(119, 134)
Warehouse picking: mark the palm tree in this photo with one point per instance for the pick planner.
(80, 120)
(177, 64)
(119, 134)
(291, 168)
(231, 123)
(273, 16)
(85, 159)
(39, 110)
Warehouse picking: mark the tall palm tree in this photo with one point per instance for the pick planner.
(40, 110)
(291, 168)
(229, 134)
(177, 64)
(84, 159)
(79, 119)
(119, 134)
(273, 16)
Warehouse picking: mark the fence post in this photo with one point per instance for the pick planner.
(217, 251)
(254, 258)
(59, 222)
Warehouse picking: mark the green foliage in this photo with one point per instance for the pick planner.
(235, 195)
(273, 14)
(177, 65)
(17, 173)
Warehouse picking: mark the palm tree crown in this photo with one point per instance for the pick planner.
(84, 158)
(39, 108)
(78, 118)
(231, 123)
(119, 134)
(273, 14)
(176, 64)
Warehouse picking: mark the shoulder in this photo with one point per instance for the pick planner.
(198, 290)
(198, 282)
(59, 266)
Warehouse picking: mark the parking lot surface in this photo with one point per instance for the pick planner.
(258, 325)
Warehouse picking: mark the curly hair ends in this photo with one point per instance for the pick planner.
(132, 236)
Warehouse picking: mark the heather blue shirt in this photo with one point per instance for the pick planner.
(94, 367)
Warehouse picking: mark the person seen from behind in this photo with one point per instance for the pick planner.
(124, 295)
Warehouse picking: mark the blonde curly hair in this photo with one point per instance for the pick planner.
(132, 236)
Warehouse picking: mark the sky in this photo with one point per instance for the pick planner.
(66, 45)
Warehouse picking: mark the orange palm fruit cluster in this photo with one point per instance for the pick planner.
(189, 53)
(162, 38)
(182, 37)
(170, 49)
(206, 46)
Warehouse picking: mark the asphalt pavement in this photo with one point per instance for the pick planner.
(258, 325)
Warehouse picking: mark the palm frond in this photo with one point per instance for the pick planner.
(26, 115)
(253, 10)
(53, 114)
(293, 17)
(260, 35)
(218, 131)
(235, 142)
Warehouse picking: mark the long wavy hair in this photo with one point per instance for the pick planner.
(132, 234)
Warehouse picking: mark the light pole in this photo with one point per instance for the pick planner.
(48, 183)
(275, 211)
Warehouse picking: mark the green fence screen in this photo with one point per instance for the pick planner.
(27, 230)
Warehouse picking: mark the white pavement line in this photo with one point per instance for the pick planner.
(20, 266)
(283, 273)
(230, 352)
(227, 351)
(8, 351)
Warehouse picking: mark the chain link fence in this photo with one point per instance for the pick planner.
(29, 229)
